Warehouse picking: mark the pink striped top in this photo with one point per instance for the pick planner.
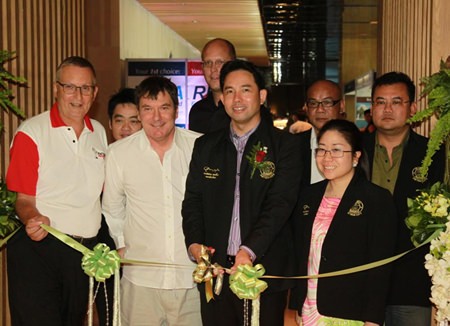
(325, 214)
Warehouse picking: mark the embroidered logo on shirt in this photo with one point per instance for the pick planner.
(305, 210)
(356, 209)
(98, 154)
(210, 173)
(417, 175)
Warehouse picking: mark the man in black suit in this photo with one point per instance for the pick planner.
(324, 102)
(395, 154)
(241, 189)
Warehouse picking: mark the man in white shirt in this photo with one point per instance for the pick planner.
(144, 189)
(323, 103)
(57, 170)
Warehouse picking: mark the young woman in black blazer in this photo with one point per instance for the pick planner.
(342, 222)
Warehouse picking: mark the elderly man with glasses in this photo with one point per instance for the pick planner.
(208, 114)
(57, 170)
(323, 103)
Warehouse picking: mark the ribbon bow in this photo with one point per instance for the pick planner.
(205, 271)
(101, 262)
(245, 283)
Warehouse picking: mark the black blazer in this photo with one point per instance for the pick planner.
(411, 284)
(362, 231)
(265, 204)
(305, 150)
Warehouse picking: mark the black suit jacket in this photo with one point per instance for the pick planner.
(305, 143)
(358, 234)
(265, 204)
(411, 284)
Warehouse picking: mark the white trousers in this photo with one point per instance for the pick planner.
(143, 306)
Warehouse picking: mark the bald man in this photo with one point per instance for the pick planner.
(209, 114)
(323, 103)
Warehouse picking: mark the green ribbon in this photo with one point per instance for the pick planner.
(101, 257)
(65, 238)
(241, 269)
(245, 283)
(5, 240)
(351, 270)
(101, 263)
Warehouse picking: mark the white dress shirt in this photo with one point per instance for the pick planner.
(142, 206)
(316, 176)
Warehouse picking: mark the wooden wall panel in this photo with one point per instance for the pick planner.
(413, 39)
(42, 33)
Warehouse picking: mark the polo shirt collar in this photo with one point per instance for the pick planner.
(57, 121)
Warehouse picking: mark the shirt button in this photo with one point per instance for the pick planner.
(74, 141)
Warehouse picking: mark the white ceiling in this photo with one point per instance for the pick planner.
(199, 21)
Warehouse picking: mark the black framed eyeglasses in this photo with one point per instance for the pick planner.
(335, 152)
(70, 89)
(209, 64)
(395, 103)
(326, 103)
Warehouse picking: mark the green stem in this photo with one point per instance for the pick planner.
(447, 163)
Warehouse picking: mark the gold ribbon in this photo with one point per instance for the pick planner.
(206, 271)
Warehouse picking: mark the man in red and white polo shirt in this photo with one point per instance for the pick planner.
(57, 170)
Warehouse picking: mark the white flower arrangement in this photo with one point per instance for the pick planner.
(429, 216)
(437, 262)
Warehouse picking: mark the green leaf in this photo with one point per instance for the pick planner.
(8, 220)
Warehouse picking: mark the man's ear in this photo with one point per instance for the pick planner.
(412, 109)
(262, 96)
(342, 106)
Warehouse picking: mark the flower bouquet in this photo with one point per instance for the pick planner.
(428, 213)
(429, 217)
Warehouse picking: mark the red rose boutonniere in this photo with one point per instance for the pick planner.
(257, 159)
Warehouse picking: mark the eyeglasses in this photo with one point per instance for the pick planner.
(335, 152)
(70, 89)
(209, 64)
(396, 103)
(326, 103)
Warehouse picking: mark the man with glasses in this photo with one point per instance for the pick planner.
(395, 153)
(208, 114)
(323, 103)
(57, 170)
